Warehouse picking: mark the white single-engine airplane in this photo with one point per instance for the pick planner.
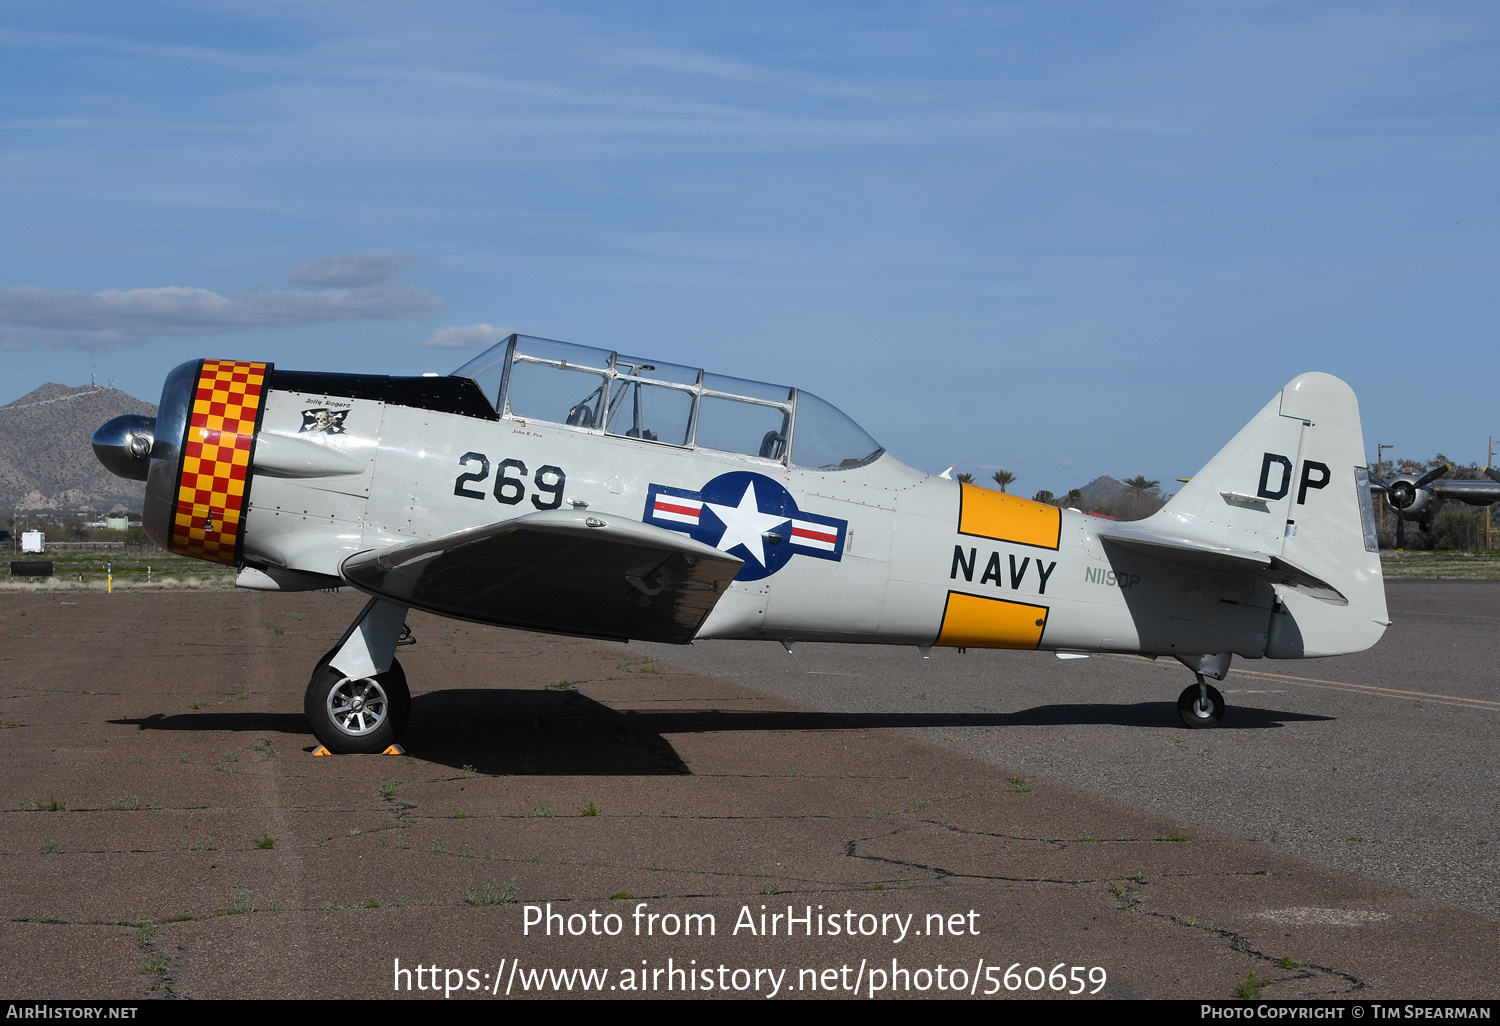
(557, 488)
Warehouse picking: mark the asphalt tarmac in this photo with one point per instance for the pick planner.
(1385, 763)
(165, 830)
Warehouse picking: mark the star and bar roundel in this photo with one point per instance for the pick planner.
(747, 515)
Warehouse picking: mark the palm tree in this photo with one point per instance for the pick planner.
(965, 478)
(1003, 478)
(1140, 485)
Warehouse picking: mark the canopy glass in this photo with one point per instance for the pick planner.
(605, 392)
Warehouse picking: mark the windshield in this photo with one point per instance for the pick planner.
(600, 391)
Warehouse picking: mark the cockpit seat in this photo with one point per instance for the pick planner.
(581, 415)
(773, 446)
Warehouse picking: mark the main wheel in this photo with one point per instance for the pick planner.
(1190, 707)
(357, 715)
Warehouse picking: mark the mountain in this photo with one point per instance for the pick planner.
(1102, 491)
(46, 462)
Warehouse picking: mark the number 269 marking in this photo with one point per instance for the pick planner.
(510, 481)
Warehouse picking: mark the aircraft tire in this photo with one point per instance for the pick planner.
(1192, 714)
(342, 735)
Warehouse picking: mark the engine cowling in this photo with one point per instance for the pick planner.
(198, 478)
(1409, 497)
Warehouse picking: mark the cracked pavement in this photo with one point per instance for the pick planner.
(168, 833)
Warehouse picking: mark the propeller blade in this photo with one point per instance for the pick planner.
(1400, 530)
(1431, 476)
(1378, 484)
(1492, 474)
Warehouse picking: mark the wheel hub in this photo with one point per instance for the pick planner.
(358, 706)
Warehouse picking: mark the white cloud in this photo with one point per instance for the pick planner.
(351, 271)
(468, 336)
(61, 319)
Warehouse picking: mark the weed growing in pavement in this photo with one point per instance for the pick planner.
(1119, 890)
(388, 788)
(125, 803)
(1173, 837)
(460, 815)
(354, 831)
(1249, 990)
(266, 842)
(275, 906)
(229, 764)
(438, 846)
(619, 896)
(588, 810)
(145, 932)
(371, 903)
(51, 805)
(1285, 962)
(157, 963)
(1019, 785)
(543, 812)
(469, 771)
(490, 895)
(265, 747)
(240, 903)
(182, 917)
(48, 847)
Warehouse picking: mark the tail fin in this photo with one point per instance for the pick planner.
(1293, 485)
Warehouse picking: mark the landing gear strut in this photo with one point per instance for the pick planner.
(357, 700)
(1201, 705)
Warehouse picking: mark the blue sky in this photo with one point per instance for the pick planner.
(1074, 238)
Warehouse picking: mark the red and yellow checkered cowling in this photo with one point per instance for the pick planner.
(216, 459)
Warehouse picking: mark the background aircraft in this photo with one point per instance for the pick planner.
(554, 487)
(1419, 498)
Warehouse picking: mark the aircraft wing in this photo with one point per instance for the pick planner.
(1475, 493)
(560, 571)
(1210, 556)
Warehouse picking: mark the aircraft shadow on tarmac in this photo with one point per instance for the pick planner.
(507, 732)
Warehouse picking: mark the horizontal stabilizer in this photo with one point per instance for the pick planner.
(1209, 556)
(560, 571)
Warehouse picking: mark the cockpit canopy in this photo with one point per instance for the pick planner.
(609, 393)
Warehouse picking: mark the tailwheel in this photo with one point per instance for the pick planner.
(357, 715)
(1200, 705)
